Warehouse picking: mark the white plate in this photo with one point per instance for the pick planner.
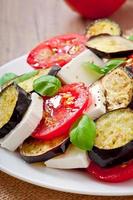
(68, 181)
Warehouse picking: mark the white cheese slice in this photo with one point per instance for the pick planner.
(73, 158)
(98, 106)
(25, 128)
(77, 71)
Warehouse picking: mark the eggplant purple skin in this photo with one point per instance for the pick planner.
(94, 36)
(58, 150)
(119, 54)
(23, 102)
(102, 54)
(129, 70)
(112, 157)
(54, 70)
(131, 105)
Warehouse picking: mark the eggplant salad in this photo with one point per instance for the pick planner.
(75, 108)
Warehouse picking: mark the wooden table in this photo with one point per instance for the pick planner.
(24, 23)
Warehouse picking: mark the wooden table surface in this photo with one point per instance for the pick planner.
(24, 23)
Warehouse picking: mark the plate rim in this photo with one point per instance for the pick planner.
(61, 189)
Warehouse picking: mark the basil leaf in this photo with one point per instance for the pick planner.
(26, 76)
(6, 78)
(82, 133)
(130, 37)
(95, 68)
(47, 85)
(111, 64)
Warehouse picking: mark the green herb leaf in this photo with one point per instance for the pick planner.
(47, 85)
(82, 133)
(130, 37)
(95, 68)
(26, 76)
(6, 78)
(111, 64)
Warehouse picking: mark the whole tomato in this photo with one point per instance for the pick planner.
(94, 9)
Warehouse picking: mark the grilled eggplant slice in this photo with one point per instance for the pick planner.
(25, 81)
(14, 102)
(114, 129)
(24, 129)
(33, 150)
(102, 26)
(114, 138)
(110, 158)
(118, 89)
(108, 46)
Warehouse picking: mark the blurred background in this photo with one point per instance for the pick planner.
(24, 23)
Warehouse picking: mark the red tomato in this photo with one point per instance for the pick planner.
(115, 174)
(95, 9)
(56, 51)
(131, 56)
(61, 111)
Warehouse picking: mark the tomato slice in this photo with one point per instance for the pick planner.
(115, 174)
(56, 51)
(61, 111)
